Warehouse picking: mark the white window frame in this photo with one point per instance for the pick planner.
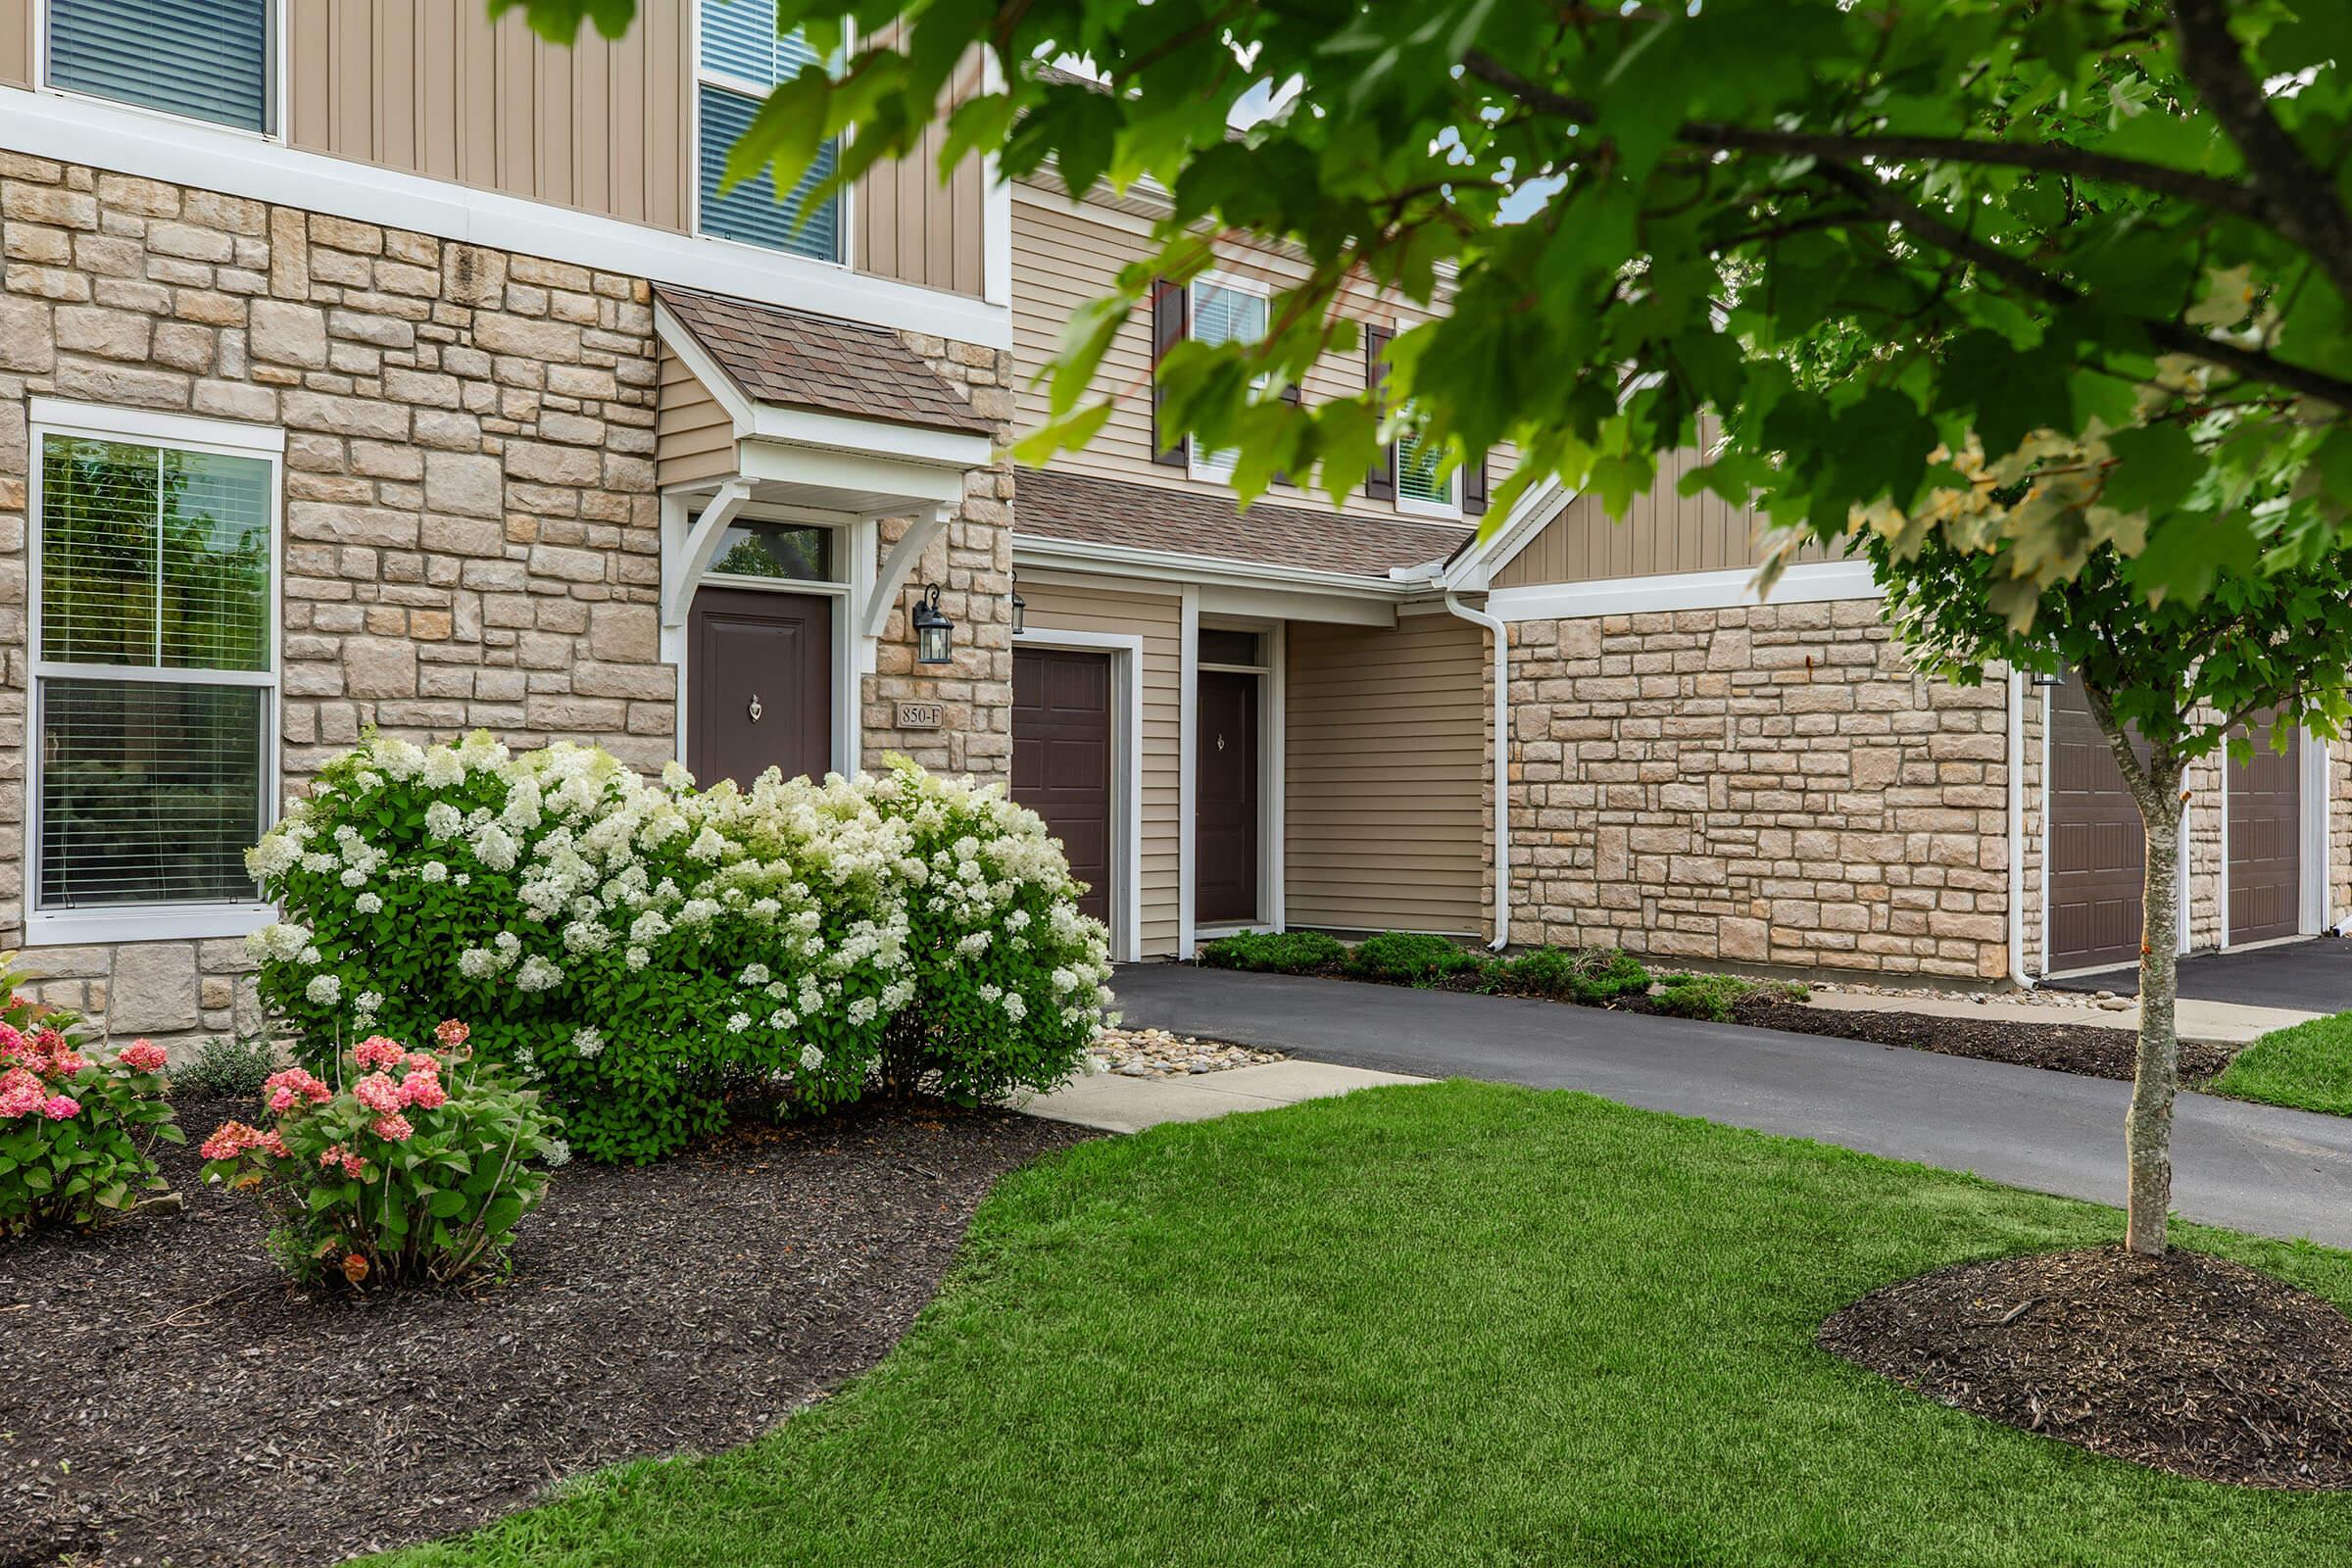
(1413, 505)
(147, 922)
(275, 92)
(1198, 465)
(845, 232)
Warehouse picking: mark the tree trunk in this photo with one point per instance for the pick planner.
(2156, 1071)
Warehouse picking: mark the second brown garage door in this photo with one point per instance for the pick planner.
(2266, 840)
(2098, 848)
(1061, 758)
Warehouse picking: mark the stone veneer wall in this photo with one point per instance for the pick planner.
(1766, 786)
(471, 533)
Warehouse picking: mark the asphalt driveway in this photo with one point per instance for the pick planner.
(2253, 1167)
(2313, 975)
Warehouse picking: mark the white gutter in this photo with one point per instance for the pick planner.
(2017, 831)
(1502, 762)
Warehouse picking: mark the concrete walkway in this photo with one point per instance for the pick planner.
(2219, 1023)
(2254, 1168)
(1118, 1103)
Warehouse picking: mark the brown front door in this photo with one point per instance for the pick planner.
(759, 684)
(1061, 759)
(1225, 788)
(2265, 839)
(2099, 848)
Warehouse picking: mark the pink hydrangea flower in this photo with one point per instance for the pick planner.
(424, 1091)
(378, 1051)
(229, 1140)
(378, 1093)
(58, 1108)
(337, 1155)
(21, 1093)
(394, 1129)
(271, 1142)
(12, 1043)
(451, 1033)
(423, 1061)
(286, 1089)
(143, 1056)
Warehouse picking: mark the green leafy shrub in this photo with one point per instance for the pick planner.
(78, 1134)
(1715, 996)
(1009, 980)
(1274, 951)
(228, 1067)
(1588, 975)
(416, 1171)
(1410, 959)
(646, 951)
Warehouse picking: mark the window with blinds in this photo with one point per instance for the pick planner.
(205, 59)
(153, 673)
(1418, 482)
(742, 57)
(1223, 313)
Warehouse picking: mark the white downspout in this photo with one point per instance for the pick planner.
(2017, 830)
(1502, 762)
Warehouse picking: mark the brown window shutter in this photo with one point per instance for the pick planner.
(1474, 486)
(1381, 483)
(1171, 322)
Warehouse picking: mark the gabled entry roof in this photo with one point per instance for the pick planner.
(791, 360)
(1050, 503)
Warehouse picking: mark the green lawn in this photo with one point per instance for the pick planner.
(2308, 1067)
(1459, 1324)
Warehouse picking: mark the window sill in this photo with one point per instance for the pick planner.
(1444, 510)
(153, 922)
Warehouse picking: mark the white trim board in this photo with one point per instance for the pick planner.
(1188, 724)
(1810, 583)
(81, 131)
(1127, 770)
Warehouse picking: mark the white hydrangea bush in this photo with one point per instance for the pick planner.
(1010, 981)
(648, 954)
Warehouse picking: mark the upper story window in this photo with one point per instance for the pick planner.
(740, 58)
(1420, 487)
(155, 665)
(1224, 311)
(205, 59)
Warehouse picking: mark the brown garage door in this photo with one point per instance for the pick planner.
(1061, 758)
(2265, 810)
(2099, 848)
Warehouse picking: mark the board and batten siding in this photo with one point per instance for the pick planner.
(1065, 605)
(1386, 777)
(694, 437)
(605, 126)
(1663, 531)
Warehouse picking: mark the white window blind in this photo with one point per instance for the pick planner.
(1417, 476)
(1223, 313)
(205, 59)
(153, 673)
(742, 56)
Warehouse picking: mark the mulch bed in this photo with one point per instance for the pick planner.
(2190, 1364)
(2075, 1048)
(164, 1396)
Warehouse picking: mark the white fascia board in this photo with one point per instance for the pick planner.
(879, 481)
(900, 443)
(1810, 583)
(1169, 566)
(1475, 568)
(186, 152)
(690, 351)
(1290, 604)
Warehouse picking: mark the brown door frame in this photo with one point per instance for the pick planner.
(1126, 650)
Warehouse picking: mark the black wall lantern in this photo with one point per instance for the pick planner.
(933, 630)
(1020, 608)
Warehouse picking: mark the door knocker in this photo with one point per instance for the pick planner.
(1220, 743)
(755, 708)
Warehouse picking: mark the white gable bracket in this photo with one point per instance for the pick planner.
(891, 574)
(682, 573)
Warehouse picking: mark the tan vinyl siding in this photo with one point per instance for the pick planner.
(1159, 620)
(15, 43)
(434, 87)
(1663, 531)
(1386, 777)
(1061, 258)
(695, 438)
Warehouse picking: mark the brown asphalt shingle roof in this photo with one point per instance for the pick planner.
(799, 361)
(1050, 503)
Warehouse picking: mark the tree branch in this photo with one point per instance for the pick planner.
(2221, 195)
(2290, 195)
(2169, 336)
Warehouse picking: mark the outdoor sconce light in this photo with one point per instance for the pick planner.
(933, 631)
(1020, 607)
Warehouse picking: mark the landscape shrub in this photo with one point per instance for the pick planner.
(1587, 975)
(1715, 996)
(644, 950)
(228, 1067)
(1009, 980)
(1411, 958)
(1274, 951)
(77, 1133)
(413, 1167)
